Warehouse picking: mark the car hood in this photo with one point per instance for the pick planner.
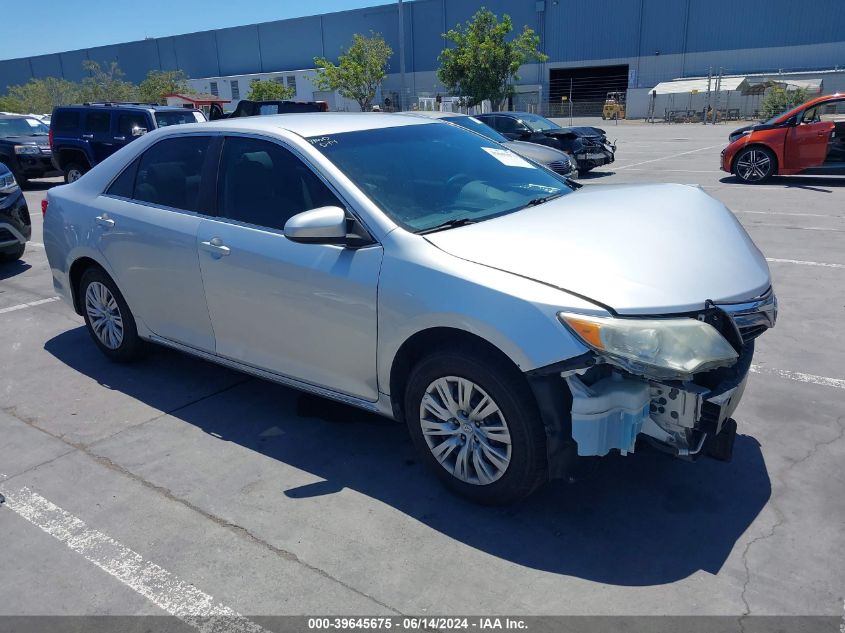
(637, 249)
(540, 153)
(26, 139)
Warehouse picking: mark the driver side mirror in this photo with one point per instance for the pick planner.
(326, 225)
(139, 131)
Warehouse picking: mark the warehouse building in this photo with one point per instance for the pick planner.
(593, 47)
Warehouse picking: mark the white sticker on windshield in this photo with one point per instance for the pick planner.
(507, 157)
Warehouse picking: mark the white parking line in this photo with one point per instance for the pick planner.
(800, 376)
(805, 215)
(803, 263)
(31, 304)
(654, 160)
(155, 583)
(35, 244)
(797, 228)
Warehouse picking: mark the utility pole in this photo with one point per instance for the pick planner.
(570, 101)
(401, 58)
(707, 100)
(718, 88)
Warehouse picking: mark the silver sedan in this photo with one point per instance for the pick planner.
(418, 270)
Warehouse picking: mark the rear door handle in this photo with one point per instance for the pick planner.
(215, 246)
(105, 221)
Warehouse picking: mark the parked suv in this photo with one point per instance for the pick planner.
(83, 135)
(24, 148)
(15, 226)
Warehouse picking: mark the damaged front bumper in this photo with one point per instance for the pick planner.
(608, 407)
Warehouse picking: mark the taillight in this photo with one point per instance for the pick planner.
(50, 136)
(44, 204)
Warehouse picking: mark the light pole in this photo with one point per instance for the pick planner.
(401, 58)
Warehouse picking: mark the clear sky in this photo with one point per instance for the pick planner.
(53, 26)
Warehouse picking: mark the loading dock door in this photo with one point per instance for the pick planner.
(589, 85)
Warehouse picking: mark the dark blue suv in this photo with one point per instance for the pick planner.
(83, 135)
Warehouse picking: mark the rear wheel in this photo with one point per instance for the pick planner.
(754, 165)
(475, 422)
(109, 320)
(12, 254)
(74, 171)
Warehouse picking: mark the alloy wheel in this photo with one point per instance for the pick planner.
(104, 315)
(465, 430)
(754, 165)
(73, 175)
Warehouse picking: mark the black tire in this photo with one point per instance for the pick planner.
(131, 346)
(12, 254)
(754, 165)
(507, 387)
(74, 171)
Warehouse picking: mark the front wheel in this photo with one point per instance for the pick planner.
(754, 165)
(109, 320)
(475, 422)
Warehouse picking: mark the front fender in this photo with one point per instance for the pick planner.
(427, 288)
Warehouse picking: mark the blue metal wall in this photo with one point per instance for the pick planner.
(571, 31)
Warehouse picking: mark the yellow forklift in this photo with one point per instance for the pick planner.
(614, 106)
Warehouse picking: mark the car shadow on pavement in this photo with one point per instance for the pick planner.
(818, 184)
(639, 520)
(12, 269)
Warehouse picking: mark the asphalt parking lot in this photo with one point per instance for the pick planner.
(154, 487)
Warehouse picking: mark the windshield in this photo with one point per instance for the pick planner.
(424, 176)
(471, 123)
(537, 123)
(777, 116)
(177, 117)
(22, 127)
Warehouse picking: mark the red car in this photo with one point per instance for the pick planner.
(807, 139)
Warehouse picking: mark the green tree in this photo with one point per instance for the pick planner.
(39, 96)
(482, 63)
(269, 90)
(359, 72)
(778, 99)
(105, 84)
(161, 82)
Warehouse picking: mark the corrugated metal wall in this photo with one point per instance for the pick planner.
(641, 32)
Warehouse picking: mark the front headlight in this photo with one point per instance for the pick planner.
(8, 184)
(27, 149)
(684, 345)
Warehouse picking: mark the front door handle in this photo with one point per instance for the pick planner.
(120, 138)
(87, 136)
(216, 247)
(105, 221)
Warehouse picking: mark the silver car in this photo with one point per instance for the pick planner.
(558, 161)
(417, 270)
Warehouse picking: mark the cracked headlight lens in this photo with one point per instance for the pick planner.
(684, 345)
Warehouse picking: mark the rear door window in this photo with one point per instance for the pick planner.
(97, 122)
(170, 172)
(263, 183)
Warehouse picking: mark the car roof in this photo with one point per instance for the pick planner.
(128, 106)
(437, 115)
(307, 124)
(18, 116)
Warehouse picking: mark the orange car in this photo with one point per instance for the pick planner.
(807, 139)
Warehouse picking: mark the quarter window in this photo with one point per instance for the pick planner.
(65, 121)
(170, 172)
(123, 185)
(263, 183)
(97, 122)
